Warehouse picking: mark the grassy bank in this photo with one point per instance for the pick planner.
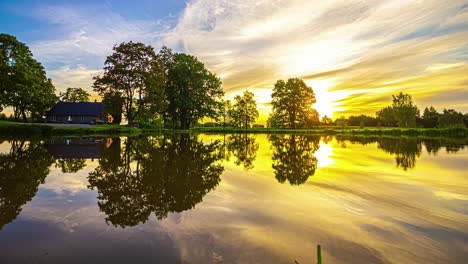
(8, 129)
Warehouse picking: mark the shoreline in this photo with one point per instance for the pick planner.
(10, 129)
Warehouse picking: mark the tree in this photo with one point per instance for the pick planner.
(326, 120)
(24, 85)
(450, 118)
(74, 95)
(225, 111)
(113, 105)
(191, 90)
(429, 118)
(292, 104)
(404, 111)
(134, 73)
(244, 112)
(386, 118)
(70, 165)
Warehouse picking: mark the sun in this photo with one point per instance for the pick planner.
(326, 100)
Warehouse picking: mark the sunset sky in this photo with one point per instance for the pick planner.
(354, 54)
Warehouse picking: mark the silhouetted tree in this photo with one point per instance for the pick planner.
(24, 85)
(244, 111)
(134, 73)
(75, 95)
(293, 157)
(292, 104)
(113, 105)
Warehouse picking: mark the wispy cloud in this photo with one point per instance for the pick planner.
(354, 54)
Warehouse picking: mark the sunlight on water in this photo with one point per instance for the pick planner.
(234, 199)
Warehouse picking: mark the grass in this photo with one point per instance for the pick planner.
(8, 129)
(37, 129)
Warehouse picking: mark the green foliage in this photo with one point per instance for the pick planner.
(292, 105)
(450, 118)
(386, 118)
(404, 111)
(244, 112)
(74, 95)
(133, 73)
(113, 105)
(192, 92)
(430, 117)
(23, 82)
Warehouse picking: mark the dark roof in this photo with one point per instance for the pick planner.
(76, 109)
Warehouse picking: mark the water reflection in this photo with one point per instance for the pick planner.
(157, 175)
(407, 150)
(22, 169)
(244, 148)
(293, 157)
(375, 189)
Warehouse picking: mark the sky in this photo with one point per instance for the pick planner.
(354, 54)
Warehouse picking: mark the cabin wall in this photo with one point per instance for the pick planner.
(72, 119)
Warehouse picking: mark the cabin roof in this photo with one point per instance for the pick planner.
(76, 109)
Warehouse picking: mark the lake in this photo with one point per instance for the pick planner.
(180, 198)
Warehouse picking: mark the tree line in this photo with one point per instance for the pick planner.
(177, 91)
(404, 113)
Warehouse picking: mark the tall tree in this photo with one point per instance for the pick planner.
(292, 103)
(244, 112)
(23, 82)
(134, 73)
(75, 95)
(192, 91)
(404, 111)
(429, 118)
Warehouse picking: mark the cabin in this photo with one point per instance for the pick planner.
(76, 113)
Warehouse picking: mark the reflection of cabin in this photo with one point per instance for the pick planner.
(76, 148)
(76, 113)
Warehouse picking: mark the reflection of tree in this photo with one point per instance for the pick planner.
(160, 175)
(70, 165)
(293, 157)
(406, 150)
(244, 147)
(21, 171)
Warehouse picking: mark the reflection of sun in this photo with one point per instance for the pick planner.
(323, 155)
(326, 100)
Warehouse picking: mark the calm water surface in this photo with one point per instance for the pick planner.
(234, 199)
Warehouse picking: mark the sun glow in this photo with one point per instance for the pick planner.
(326, 99)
